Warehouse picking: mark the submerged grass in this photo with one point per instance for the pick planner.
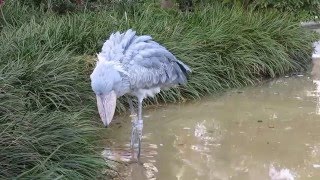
(46, 105)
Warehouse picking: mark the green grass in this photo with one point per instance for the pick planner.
(48, 145)
(47, 109)
(49, 126)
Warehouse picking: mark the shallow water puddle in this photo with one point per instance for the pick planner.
(264, 132)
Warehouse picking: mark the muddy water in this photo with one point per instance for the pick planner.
(265, 132)
(253, 133)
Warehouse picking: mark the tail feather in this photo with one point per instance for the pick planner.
(184, 68)
(183, 72)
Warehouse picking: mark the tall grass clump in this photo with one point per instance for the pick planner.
(48, 145)
(226, 48)
(47, 110)
(45, 127)
(300, 9)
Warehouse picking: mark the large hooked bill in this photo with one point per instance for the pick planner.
(106, 106)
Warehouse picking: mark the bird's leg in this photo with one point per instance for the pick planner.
(132, 111)
(140, 108)
(136, 133)
(139, 125)
(134, 120)
(140, 121)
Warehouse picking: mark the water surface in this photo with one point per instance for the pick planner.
(252, 133)
(270, 131)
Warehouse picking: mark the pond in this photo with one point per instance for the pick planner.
(253, 133)
(270, 131)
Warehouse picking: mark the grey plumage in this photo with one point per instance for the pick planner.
(136, 65)
(147, 63)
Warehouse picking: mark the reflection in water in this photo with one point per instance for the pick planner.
(316, 52)
(282, 174)
(315, 72)
(194, 148)
(317, 94)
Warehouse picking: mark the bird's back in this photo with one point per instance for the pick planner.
(147, 63)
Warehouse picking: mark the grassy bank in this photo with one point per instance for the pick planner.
(48, 119)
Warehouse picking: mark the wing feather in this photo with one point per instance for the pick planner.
(148, 63)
